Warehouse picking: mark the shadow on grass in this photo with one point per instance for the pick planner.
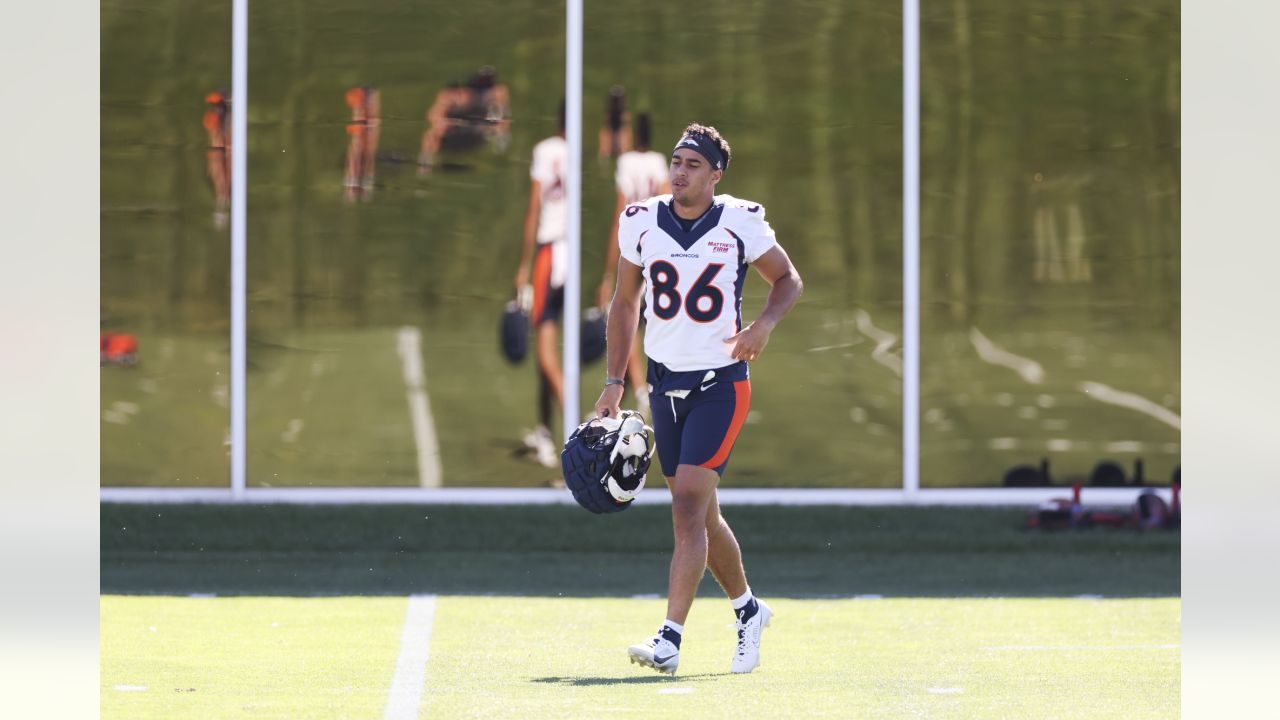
(638, 680)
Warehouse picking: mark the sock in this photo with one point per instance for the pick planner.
(745, 607)
(671, 632)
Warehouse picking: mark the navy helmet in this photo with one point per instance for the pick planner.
(513, 332)
(605, 461)
(591, 343)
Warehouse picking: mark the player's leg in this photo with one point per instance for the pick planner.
(548, 304)
(549, 360)
(544, 314)
(370, 156)
(692, 492)
(662, 651)
(712, 429)
(351, 172)
(724, 557)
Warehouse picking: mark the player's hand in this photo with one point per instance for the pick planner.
(748, 344)
(522, 277)
(610, 401)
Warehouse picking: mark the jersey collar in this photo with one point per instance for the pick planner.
(703, 225)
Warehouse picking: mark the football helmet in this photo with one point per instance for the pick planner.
(513, 331)
(591, 340)
(605, 461)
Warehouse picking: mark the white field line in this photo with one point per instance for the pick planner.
(824, 348)
(1030, 370)
(411, 665)
(883, 340)
(424, 429)
(1112, 396)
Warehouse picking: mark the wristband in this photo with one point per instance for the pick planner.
(613, 381)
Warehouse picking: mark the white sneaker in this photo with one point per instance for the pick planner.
(747, 658)
(658, 653)
(547, 452)
(534, 436)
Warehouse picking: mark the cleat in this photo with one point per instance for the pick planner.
(657, 653)
(535, 437)
(747, 657)
(544, 448)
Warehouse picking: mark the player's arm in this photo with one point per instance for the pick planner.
(530, 234)
(785, 288)
(610, 256)
(624, 318)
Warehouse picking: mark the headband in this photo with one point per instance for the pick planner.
(705, 147)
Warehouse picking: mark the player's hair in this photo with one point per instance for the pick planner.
(616, 107)
(484, 78)
(642, 131)
(713, 135)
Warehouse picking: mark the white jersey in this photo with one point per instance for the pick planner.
(550, 160)
(640, 175)
(693, 280)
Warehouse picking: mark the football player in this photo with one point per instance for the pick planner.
(687, 254)
(641, 174)
(544, 226)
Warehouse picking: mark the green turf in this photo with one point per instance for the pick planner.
(247, 657)
(564, 658)
(798, 552)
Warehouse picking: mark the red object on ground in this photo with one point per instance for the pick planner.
(120, 348)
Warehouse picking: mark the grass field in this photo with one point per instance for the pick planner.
(300, 612)
(518, 657)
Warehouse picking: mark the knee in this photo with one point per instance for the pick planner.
(546, 345)
(687, 512)
(715, 523)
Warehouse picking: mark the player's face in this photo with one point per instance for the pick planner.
(692, 178)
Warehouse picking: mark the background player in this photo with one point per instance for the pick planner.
(362, 146)
(641, 174)
(217, 118)
(687, 254)
(615, 134)
(544, 227)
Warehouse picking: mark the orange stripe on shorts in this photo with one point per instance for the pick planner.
(541, 280)
(742, 389)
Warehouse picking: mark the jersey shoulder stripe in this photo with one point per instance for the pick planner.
(741, 208)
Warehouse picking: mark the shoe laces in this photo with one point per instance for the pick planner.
(742, 638)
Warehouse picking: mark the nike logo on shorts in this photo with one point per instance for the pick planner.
(704, 387)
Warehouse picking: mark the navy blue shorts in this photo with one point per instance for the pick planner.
(701, 428)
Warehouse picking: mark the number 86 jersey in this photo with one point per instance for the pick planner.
(693, 277)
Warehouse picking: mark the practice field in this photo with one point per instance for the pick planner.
(514, 612)
(486, 657)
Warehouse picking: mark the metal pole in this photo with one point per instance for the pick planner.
(239, 143)
(573, 202)
(910, 247)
